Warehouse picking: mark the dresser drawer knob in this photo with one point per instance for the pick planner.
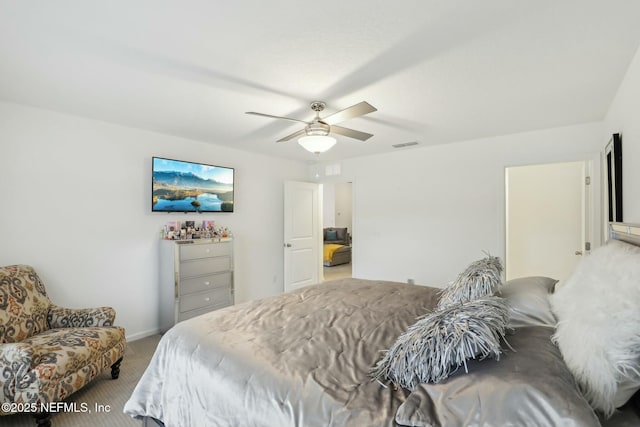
(207, 283)
(207, 299)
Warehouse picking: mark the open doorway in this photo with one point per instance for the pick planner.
(337, 202)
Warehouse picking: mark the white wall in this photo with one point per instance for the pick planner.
(329, 205)
(624, 118)
(343, 206)
(425, 213)
(76, 205)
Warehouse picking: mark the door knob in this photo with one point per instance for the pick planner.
(578, 252)
(287, 245)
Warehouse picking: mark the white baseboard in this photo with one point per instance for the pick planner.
(143, 334)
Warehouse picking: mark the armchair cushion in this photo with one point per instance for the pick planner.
(60, 317)
(24, 304)
(15, 364)
(50, 366)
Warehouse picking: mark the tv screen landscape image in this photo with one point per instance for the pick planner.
(180, 186)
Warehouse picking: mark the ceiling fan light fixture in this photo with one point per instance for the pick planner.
(317, 143)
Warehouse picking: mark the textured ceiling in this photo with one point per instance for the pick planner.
(438, 71)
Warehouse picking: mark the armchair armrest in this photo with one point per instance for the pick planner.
(60, 317)
(15, 364)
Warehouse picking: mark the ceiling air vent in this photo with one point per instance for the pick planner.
(405, 144)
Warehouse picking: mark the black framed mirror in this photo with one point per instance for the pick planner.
(613, 163)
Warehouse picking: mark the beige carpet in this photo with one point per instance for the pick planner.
(110, 394)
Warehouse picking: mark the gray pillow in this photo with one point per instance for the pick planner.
(440, 342)
(479, 279)
(530, 386)
(333, 234)
(528, 299)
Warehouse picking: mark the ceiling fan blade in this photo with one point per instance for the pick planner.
(356, 110)
(275, 117)
(293, 135)
(356, 134)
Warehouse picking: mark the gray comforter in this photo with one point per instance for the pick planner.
(303, 359)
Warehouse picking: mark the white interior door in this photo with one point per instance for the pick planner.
(546, 218)
(302, 234)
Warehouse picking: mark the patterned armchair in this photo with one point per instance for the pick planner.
(49, 352)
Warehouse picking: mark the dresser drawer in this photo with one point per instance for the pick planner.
(201, 267)
(197, 284)
(206, 250)
(193, 313)
(203, 299)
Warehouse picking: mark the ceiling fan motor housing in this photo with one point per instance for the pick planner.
(317, 128)
(329, 124)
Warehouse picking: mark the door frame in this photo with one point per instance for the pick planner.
(342, 179)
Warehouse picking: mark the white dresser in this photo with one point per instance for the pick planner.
(196, 276)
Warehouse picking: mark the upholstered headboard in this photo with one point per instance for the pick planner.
(337, 235)
(629, 233)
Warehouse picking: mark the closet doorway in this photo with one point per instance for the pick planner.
(337, 203)
(547, 218)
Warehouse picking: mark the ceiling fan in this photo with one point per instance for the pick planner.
(315, 135)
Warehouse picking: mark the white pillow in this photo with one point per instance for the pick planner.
(598, 331)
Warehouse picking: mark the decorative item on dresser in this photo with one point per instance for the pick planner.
(196, 276)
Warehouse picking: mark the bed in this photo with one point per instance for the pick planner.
(337, 246)
(305, 358)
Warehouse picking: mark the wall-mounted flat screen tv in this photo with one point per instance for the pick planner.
(180, 186)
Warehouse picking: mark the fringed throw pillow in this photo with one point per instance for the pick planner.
(481, 278)
(439, 343)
